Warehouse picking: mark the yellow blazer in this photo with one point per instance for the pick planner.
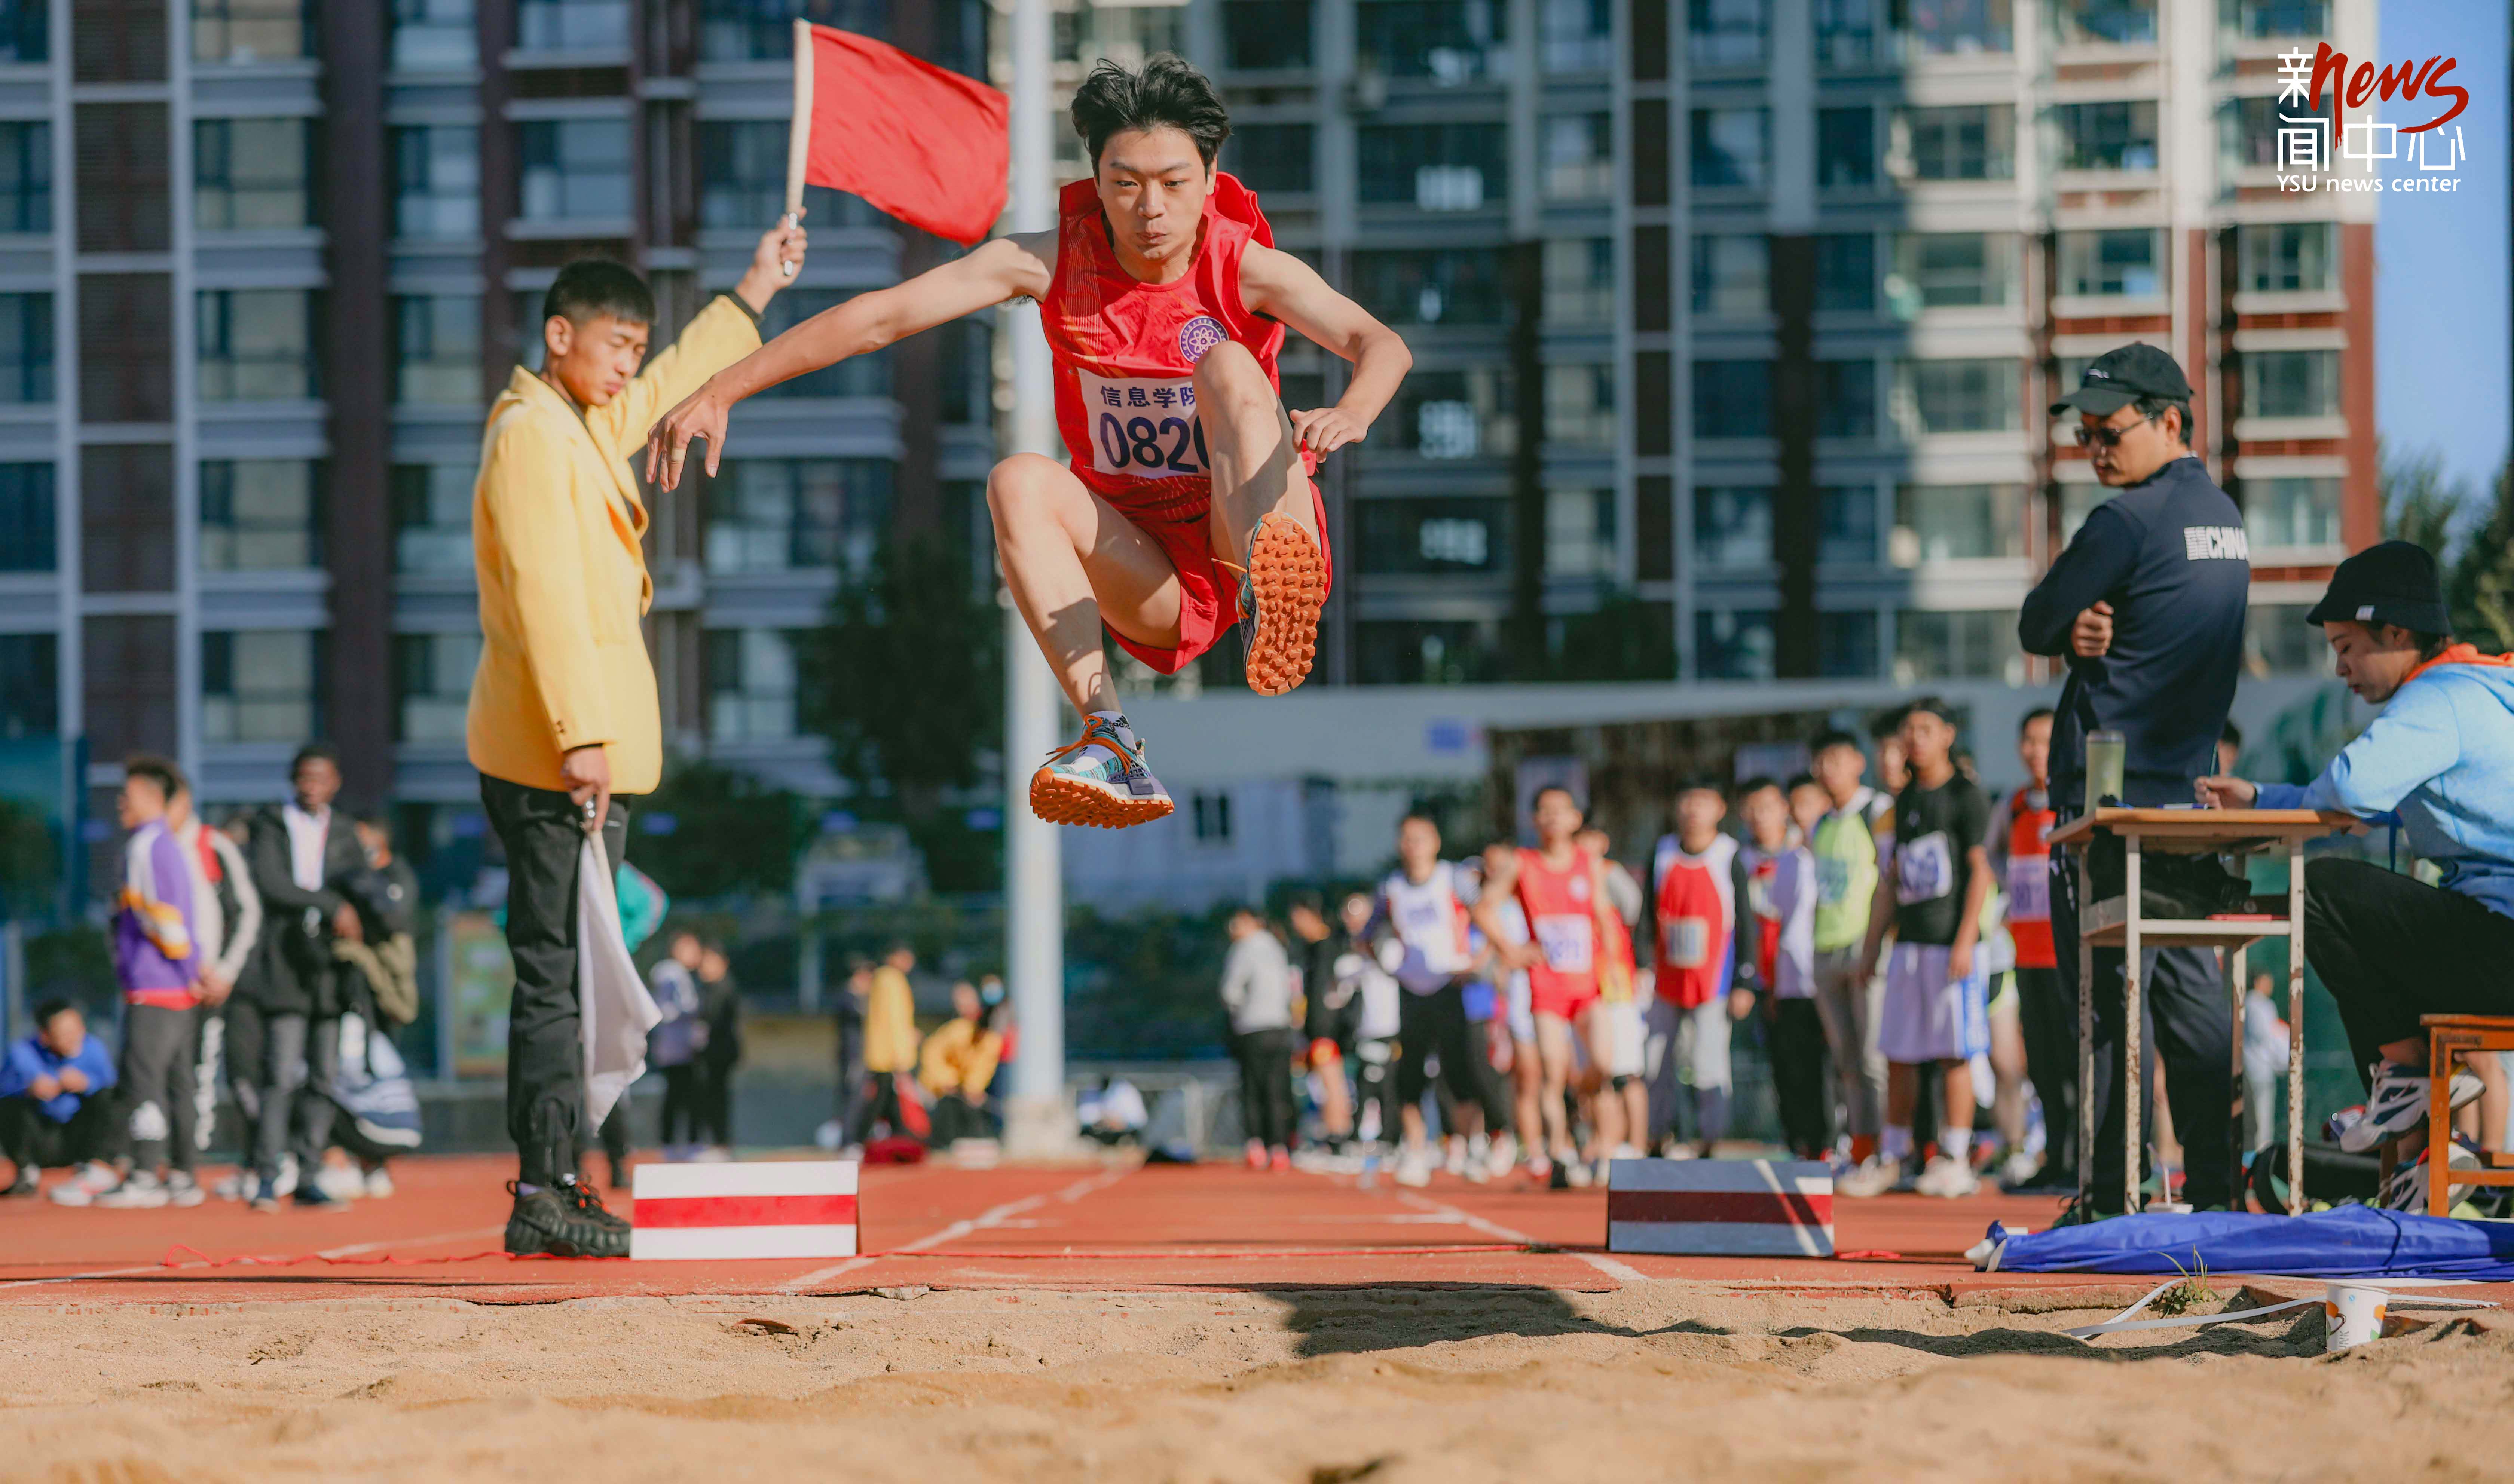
(556, 532)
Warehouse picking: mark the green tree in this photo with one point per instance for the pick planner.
(2480, 586)
(729, 832)
(2419, 501)
(30, 867)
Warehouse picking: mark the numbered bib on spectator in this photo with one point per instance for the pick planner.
(1688, 941)
(1143, 428)
(2029, 888)
(1567, 940)
(1924, 869)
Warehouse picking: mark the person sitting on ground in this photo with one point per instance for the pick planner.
(2438, 764)
(1112, 1113)
(53, 1110)
(957, 1063)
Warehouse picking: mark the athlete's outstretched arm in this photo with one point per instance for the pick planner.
(1283, 287)
(1007, 267)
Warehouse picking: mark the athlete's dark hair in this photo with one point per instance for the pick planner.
(1425, 815)
(2043, 714)
(50, 1008)
(589, 287)
(1934, 706)
(156, 770)
(310, 753)
(1308, 901)
(1701, 782)
(1756, 784)
(2231, 733)
(1825, 742)
(1166, 92)
(1798, 780)
(1538, 800)
(1888, 721)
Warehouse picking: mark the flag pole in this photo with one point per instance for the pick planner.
(799, 132)
(1037, 1119)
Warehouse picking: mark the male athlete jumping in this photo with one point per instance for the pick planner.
(1189, 502)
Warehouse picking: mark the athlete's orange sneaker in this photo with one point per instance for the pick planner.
(1281, 592)
(1110, 788)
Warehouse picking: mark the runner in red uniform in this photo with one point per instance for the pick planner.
(1187, 503)
(1571, 924)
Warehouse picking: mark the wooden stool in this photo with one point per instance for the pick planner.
(2450, 1036)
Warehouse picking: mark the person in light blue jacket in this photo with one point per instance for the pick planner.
(2438, 765)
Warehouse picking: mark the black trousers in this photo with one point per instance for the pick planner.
(31, 1141)
(1436, 1024)
(878, 1104)
(2187, 1021)
(1374, 1084)
(2046, 1015)
(1266, 1084)
(2391, 948)
(1798, 1078)
(680, 1105)
(715, 1098)
(619, 1137)
(543, 832)
(955, 1117)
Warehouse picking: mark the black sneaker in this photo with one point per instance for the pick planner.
(309, 1196)
(564, 1220)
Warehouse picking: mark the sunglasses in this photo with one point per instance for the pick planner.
(2107, 435)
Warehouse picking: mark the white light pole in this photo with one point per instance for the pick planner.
(1037, 1119)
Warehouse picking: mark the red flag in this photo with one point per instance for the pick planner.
(922, 144)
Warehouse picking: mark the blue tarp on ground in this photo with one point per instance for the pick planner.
(2343, 1242)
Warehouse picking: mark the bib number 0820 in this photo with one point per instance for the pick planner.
(1159, 447)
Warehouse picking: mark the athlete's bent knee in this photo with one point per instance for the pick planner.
(1014, 485)
(1229, 378)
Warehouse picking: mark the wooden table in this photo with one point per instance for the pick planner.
(2119, 923)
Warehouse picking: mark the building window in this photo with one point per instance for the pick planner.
(1723, 33)
(31, 686)
(1845, 272)
(1846, 645)
(256, 344)
(2113, 136)
(26, 518)
(575, 25)
(432, 685)
(1732, 275)
(434, 36)
(431, 510)
(1426, 652)
(261, 685)
(1846, 399)
(1442, 533)
(2288, 257)
(1212, 812)
(1974, 142)
(1579, 281)
(1958, 27)
(260, 514)
(2108, 23)
(1845, 149)
(577, 170)
(742, 172)
(1434, 286)
(1264, 35)
(1958, 523)
(1732, 399)
(1576, 35)
(437, 349)
(1579, 156)
(858, 376)
(23, 28)
(251, 173)
(1461, 413)
(751, 684)
(1935, 645)
(1272, 158)
(436, 182)
(1580, 534)
(1732, 644)
(2268, 20)
(1729, 146)
(2248, 130)
(2277, 641)
(789, 514)
(2113, 264)
(2291, 384)
(1845, 31)
(25, 348)
(1448, 41)
(1436, 167)
(2288, 514)
(1970, 396)
(1732, 528)
(1950, 270)
(251, 30)
(763, 30)
(1580, 406)
(1846, 525)
(25, 173)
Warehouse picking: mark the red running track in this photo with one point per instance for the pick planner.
(1070, 1227)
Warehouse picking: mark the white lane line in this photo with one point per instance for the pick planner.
(998, 1217)
(354, 1250)
(1621, 1272)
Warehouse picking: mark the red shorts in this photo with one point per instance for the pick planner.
(1567, 1003)
(1209, 596)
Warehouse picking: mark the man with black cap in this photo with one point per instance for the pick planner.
(2439, 764)
(2147, 605)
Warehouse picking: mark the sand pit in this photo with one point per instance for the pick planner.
(1663, 1379)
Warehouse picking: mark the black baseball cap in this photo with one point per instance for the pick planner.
(2116, 379)
(2392, 582)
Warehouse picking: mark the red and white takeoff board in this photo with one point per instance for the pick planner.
(1730, 1208)
(769, 1209)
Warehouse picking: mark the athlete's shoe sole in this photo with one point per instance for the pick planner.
(1059, 799)
(1288, 580)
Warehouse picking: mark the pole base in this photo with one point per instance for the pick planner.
(1039, 1128)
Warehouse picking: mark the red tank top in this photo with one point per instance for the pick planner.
(1562, 922)
(2029, 877)
(1125, 351)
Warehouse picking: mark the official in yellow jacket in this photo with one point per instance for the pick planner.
(563, 711)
